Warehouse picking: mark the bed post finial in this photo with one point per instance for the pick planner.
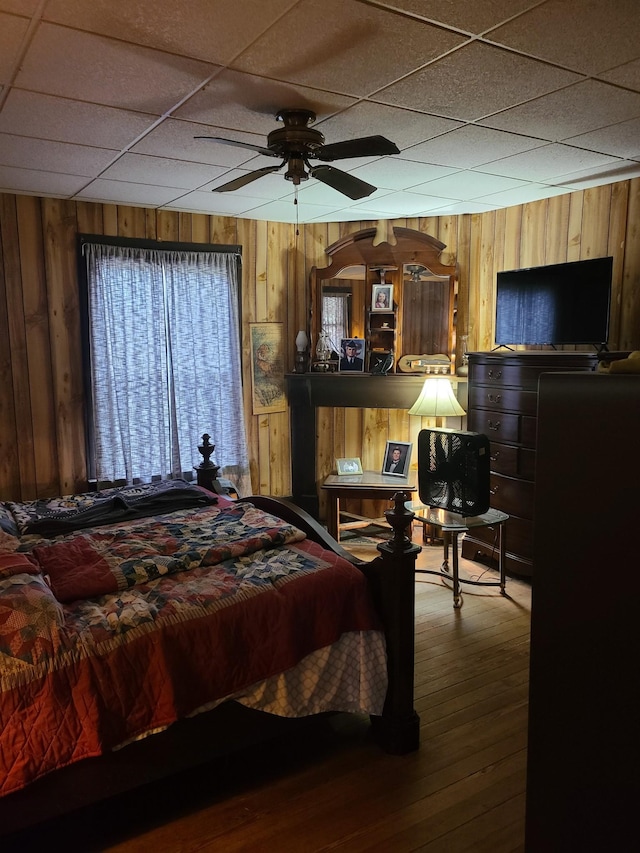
(206, 471)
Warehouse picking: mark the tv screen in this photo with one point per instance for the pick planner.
(557, 304)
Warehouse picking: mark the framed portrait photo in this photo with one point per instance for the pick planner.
(349, 466)
(351, 355)
(397, 458)
(382, 297)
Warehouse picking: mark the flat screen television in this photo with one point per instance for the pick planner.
(559, 304)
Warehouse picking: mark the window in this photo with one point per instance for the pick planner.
(163, 361)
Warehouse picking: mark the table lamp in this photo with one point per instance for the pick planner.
(437, 400)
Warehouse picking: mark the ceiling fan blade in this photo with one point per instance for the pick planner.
(259, 148)
(345, 183)
(243, 180)
(364, 146)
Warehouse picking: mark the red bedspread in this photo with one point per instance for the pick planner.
(187, 624)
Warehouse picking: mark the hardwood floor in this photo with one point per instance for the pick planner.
(332, 789)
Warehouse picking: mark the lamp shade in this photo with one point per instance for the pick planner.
(437, 400)
(301, 340)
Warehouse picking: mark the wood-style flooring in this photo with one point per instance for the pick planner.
(332, 789)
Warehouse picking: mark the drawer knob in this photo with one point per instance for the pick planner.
(494, 458)
(495, 426)
(495, 374)
(494, 398)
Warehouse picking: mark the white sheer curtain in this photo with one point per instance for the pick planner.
(335, 318)
(165, 362)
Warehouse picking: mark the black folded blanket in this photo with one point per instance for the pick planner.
(124, 504)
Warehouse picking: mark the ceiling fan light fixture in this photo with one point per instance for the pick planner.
(296, 171)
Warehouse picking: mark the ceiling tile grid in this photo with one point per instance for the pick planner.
(491, 103)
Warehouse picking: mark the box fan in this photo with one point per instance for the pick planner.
(453, 470)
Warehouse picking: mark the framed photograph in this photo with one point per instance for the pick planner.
(397, 458)
(351, 355)
(349, 466)
(267, 368)
(382, 297)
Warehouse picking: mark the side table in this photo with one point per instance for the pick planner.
(369, 484)
(452, 525)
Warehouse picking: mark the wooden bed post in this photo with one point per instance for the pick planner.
(392, 577)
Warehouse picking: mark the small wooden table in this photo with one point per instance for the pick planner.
(368, 485)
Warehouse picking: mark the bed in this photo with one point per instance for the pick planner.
(129, 615)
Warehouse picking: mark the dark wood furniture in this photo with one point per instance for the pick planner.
(582, 775)
(368, 485)
(503, 401)
(229, 727)
(422, 317)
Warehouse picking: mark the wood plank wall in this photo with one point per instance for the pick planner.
(41, 401)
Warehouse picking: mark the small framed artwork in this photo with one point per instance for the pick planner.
(397, 457)
(267, 368)
(382, 297)
(349, 466)
(351, 355)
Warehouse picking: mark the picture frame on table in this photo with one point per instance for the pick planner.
(349, 466)
(397, 458)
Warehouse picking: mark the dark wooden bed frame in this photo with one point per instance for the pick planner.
(194, 741)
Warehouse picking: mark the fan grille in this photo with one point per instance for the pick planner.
(453, 470)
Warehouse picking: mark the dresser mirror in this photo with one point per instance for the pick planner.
(421, 318)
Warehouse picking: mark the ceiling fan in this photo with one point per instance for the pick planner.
(296, 143)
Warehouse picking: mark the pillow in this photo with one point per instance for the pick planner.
(30, 621)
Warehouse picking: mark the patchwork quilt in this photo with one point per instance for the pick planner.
(111, 632)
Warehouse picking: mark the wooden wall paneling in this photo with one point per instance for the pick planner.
(486, 280)
(616, 248)
(629, 334)
(89, 217)
(10, 483)
(132, 221)
(463, 243)
(247, 239)
(532, 243)
(557, 229)
(595, 222)
(224, 230)
(168, 225)
(66, 357)
(43, 480)
(576, 204)
(15, 285)
(262, 458)
(185, 227)
(151, 224)
(512, 238)
(109, 220)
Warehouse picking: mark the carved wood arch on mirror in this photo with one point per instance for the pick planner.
(422, 317)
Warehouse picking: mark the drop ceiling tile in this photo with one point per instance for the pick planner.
(577, 109)
(172, 137)
(33, 182)
(12, 32)
(344, 46)
(283, 211)
(87, 67)
(120, 192)
(471, 17)
(455, 208)
(394, 173)
(475, 81)
(212, 31)
(144, 169)
(576, 34)
(20, 7)
(53, 156)
(619, 140)
(247, 102)
(400, 204)
(402, 126)
(315, 192)
(225, 204)
(621, 170)
(545, 163)
(467, 185)
(49, 117)
(471, 146)
(523, 195)
(627, 75)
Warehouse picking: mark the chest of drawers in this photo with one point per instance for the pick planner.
(503, 402)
